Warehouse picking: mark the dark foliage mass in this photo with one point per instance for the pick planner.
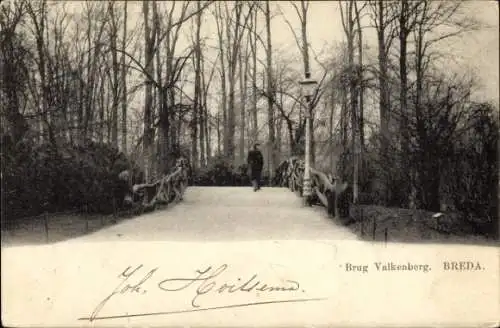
(458, 171)
(44, 179)
(220, 172)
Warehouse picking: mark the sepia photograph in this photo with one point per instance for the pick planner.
(249, 163)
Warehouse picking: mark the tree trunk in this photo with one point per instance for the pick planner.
(405, 136)
(94, 46)
(202, 114)
(353, 92)
(219, 141)
(360, 79)
(208, 133)
(220, 31)
(102, 126)
(419, 164)
(197, 92)
(115, 72)
(255, 126)
(384, 107)
(167, 112)
(206, 124)
(279, 130)
(124, 82)
(270, 92)
(11, 85)
(243, 95)
(148, 96)
(291, 139)
(40, 44)
(234, 37)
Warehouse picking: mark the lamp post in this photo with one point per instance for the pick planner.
(308, 86)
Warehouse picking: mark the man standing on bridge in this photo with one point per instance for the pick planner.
(255, 163)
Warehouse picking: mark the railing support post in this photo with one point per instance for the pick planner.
(46, 225)
(307, 188)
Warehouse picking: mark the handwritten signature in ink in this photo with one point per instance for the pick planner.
(137, 281)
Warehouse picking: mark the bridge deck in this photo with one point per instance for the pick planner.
(228, 213)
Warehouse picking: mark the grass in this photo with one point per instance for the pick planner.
(56, 227)
(371, 222)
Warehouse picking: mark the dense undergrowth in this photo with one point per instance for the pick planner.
(220, 172)
(38, 179)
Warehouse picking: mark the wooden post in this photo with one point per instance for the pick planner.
(362, 227)
(337, 213)
(114, 208)
(46, 225)
(86, 218)
(362, 222)
(374, 227)
(322, 198)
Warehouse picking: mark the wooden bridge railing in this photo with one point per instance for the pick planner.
(167, 189)
(328, 191)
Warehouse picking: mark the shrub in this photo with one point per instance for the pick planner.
(220, 172)
(42, 178)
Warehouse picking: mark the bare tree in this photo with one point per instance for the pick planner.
(282, 99)
(124, 72)
(303, 45)
(406, 20)
(430, 18)
(206, 118)
(360, 78)
(231, 23)
(383, 19)
(197, 92)
(39, 18)
(253, 46)
(14, 72)
(113, 36)
(149, 38)
(95, 46)
(270, 92)
(222, 70)
(234, 36)
(170, 113)
(243, 74)
(348, 22)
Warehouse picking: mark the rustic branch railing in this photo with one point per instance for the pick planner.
(328, 191)
(168, 189)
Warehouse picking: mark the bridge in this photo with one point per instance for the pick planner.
(236, 213)
(271, 235)
(229, 214)
(169, 210)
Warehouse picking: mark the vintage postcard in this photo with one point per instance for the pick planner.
(249, 163)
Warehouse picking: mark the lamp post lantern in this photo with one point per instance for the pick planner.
(308, 87)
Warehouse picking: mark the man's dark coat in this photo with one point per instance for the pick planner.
(255, 162)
